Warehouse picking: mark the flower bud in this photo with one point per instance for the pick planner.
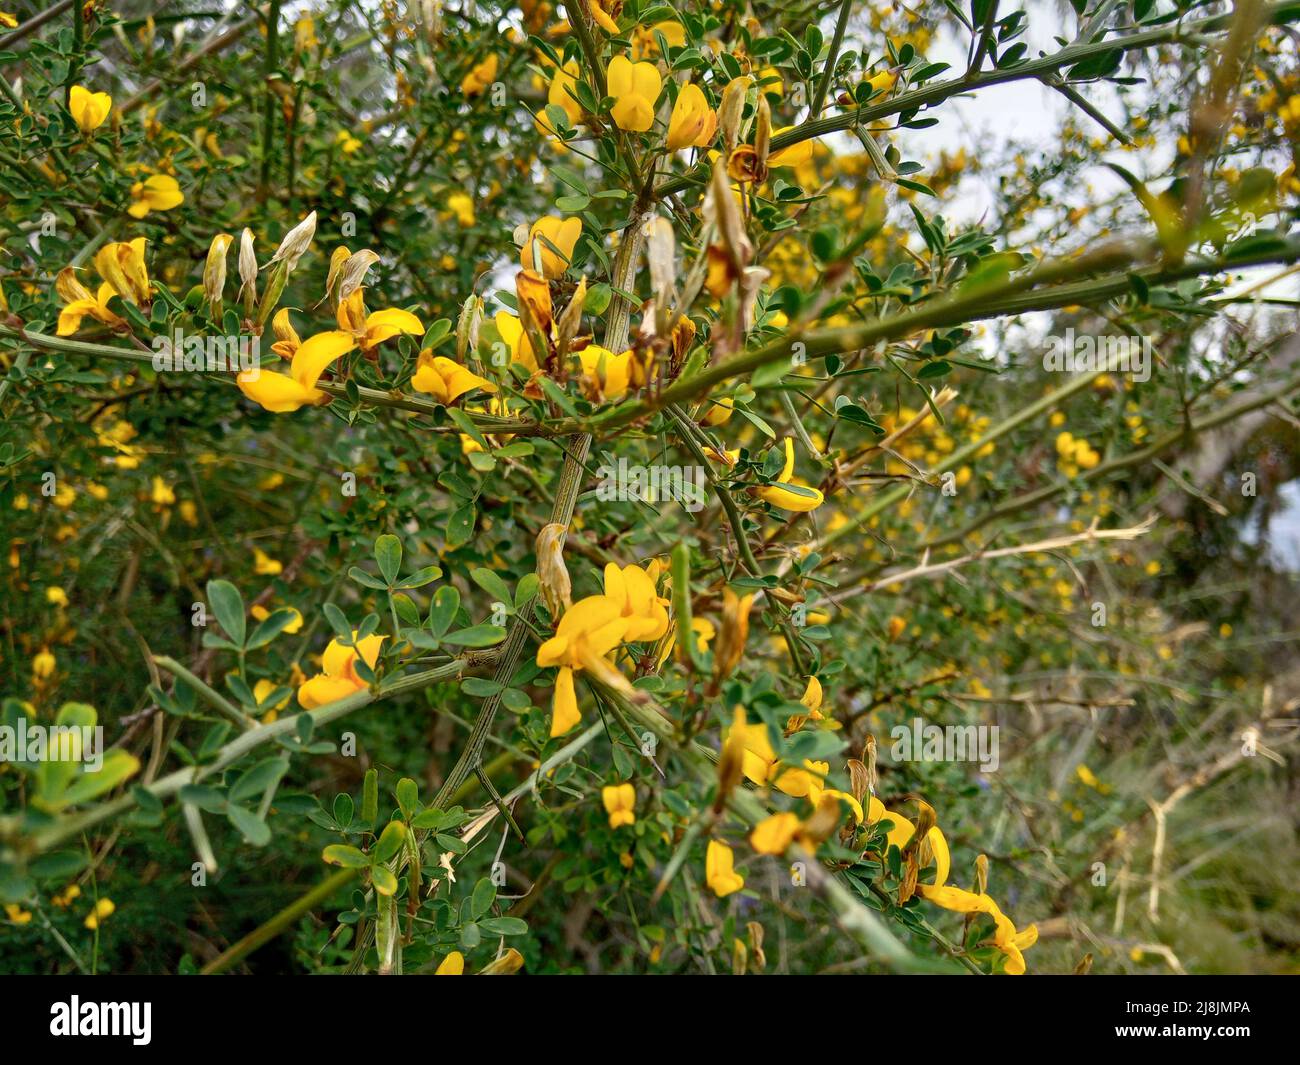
(247, 271)
(214, 273)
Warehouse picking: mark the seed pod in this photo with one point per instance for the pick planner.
(553, 577)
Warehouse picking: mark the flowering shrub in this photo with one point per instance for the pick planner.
(323, 652)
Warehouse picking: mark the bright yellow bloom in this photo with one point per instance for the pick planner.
(796, 155)
(600, 13)
(287, 340)
(103, 910)
(158, 193)
(89, 109)
(461, 206)
(122, 265)
(645, 610)
(693, 123)
(620, 801)
(762, 766)
(445, 379)
(56, 596)
(589, 630)
(561, 92)
(371, 330)
(635, 88)
(264, 564)
(481, 77)
(511, 330)
(812, 698)
(281, 393)
(719, 870)
(81, 304)
(552, 241)
(452, 965)
(608, 375)
(773, 835)
(338, 676)
(161, 493)
(13, 911)
(1006, 938)
(786, 494)
(43, 664)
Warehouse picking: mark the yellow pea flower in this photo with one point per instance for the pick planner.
(122, 265)
(161, 493)
(1006, 938)
(619, 800)
(260, 613)
(719, 870)
(81, 304)
(788, 495)
(287, 340)
(511, 331)
(693, 123)
(812, 698)
(103, 910)
(639, 603)
(561, 92)
(56, 596)
(635, 88)
(13, 911)
(551, 240)
(89, 109)
(43, 664)
(589, 630)
(371, 330)
(601, 14)
(338, 676)
(461, 207)
(773, 835)
(452, 965)
(481, 77)
(704, 631)
(158, 193)
(281, 393)
(445, 379)
(608, 375)
(796, 155)
(265, 565)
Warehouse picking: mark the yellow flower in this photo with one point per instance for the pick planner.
(461, 206)
(280, 393)
(551, 240)
(264, 564)
(13, 911)
(762, 767)
(511, 330)
(1006, 938)
(158, 193)
(600, 13)
(261, 691)
(56, 596)
(371, 330)
(635, 88)
(452, 965)
(103, 910)
(445, 379)
(589, 630)
(260, 613)
(89, 109)
(81, 304)
(693, 123)
(619, 800)
(773, 835)
(481, 77)
(812, 698)
(645, 610)
(796, 155)
(43, 664)
(161, 494)
(338, 676)
(786, 494)
(608, 375)
(287, 340)
(561, 93)
(719, 870)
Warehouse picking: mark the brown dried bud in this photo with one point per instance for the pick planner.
(981, 874)
(731, 762)
(731, 109)
(859, 780)
(755, 931)
(733, 634)
(553, 577)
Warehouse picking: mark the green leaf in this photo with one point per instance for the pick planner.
(388, 554)
(228, 606)
(408, 796)
(420, 578)
(254, 829)
(346, 856)
(476, 636)
(492, 584)
(443, 610)
(269, 629)
(504, 926)
(484, 894)
(256, 780)
(383, 879)
(119, 765)
(390, 841)
(370, 798)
